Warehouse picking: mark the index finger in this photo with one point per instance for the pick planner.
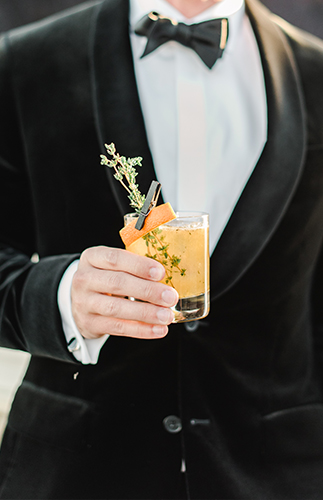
(117, 259)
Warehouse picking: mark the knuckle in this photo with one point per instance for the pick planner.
(138, 265)
(114, 282)
(140, 332)
(118, 326)
(92, 304)
(77, 306)
(110, 308)
(145, 314)
(78, 280)
(111, 256)
(148, 290)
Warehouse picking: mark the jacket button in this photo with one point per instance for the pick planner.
(172, 424)
(192, 326)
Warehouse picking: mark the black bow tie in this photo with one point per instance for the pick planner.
(208, 38)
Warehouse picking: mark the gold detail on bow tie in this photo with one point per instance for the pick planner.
(154, 17)
(224, 33)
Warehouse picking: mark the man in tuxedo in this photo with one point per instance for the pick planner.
(118, 402)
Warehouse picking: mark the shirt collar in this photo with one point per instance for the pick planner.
(231, 9)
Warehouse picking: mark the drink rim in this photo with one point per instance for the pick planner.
(179, 213)
(184, 220)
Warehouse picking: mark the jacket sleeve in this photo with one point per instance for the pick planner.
(29, 315)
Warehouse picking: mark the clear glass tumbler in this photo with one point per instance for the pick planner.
(182, 246)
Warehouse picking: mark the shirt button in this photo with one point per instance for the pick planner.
(192, 326)
(172, 424)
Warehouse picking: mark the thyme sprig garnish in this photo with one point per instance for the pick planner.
(126, 174)
(157, 241)
(125, 169)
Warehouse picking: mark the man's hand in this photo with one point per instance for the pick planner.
(104, 279)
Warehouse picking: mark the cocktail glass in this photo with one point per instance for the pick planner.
(182, 246)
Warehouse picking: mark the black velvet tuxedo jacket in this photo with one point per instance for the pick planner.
(247, 383)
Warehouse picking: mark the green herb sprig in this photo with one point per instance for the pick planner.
(125, 169)
(156, 240)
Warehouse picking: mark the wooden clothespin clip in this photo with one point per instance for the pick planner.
(150, 203)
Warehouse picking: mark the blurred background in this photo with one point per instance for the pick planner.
(307, 14)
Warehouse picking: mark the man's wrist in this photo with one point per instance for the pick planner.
(86, 351)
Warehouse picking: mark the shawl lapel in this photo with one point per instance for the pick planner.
(274, 180)
(269, 190)
(116, 103)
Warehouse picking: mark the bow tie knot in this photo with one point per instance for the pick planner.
(208, 38)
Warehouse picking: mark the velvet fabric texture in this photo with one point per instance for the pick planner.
(247, 383)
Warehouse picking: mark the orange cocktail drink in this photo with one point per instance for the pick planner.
(182, 246)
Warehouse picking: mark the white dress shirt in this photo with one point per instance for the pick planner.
(206, 128)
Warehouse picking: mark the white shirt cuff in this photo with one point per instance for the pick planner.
(84, 350)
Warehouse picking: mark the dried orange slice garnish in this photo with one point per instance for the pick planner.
(158, 216)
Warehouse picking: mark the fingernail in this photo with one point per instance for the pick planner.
(156, 273)
(165, 316)
(159, 331)
(170, 297)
